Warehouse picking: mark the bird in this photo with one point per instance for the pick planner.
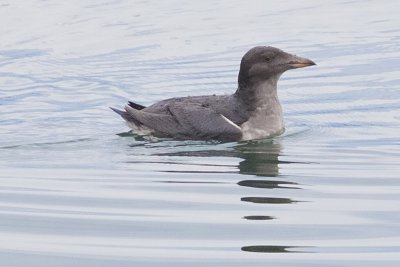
(252, 112)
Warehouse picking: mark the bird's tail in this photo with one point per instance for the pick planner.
(125, 115)
(132, 122)
(120, 112)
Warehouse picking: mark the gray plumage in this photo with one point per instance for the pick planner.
(252, 112)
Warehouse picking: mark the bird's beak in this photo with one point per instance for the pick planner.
(296, 62)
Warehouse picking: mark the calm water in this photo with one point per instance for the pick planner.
(77, 189)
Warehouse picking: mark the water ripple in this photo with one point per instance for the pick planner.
(74, 192)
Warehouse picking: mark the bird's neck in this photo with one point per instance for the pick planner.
(264, 112)
(260, 94)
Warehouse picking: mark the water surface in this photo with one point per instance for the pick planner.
(78, 189)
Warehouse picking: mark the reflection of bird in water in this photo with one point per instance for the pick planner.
(261, 163)
(260, 158)
(273, 249)
(252, 112)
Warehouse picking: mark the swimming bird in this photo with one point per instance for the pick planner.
(252, 112)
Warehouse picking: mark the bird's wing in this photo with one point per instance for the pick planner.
(189, 121)
(202, 122)
(163, 123)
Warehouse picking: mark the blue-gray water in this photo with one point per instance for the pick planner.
(78, 190)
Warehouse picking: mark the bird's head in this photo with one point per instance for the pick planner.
(263, 62)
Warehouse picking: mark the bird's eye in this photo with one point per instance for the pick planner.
(268, 59)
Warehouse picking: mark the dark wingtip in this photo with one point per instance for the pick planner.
(135, 105)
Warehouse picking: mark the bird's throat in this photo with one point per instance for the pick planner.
(259, 94)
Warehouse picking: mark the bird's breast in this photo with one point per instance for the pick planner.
(263, 125)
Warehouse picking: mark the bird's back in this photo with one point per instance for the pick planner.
(227, 105)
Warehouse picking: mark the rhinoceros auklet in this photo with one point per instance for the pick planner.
(252, 112)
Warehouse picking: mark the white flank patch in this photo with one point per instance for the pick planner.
(231, 122)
